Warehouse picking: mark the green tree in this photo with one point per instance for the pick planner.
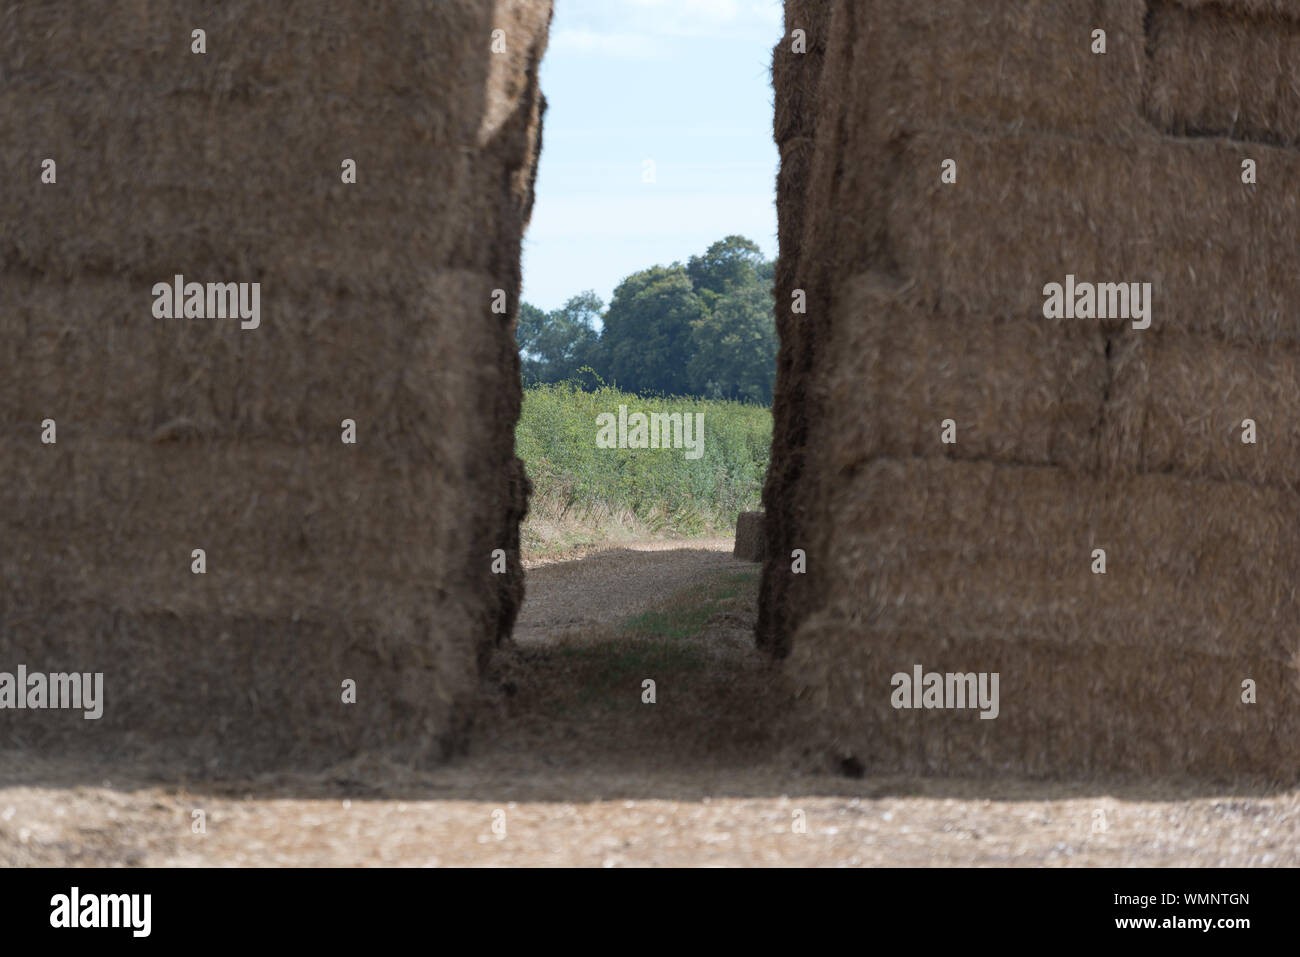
(728, 264)
(705, 328)
(528, 328)
(554, 345)
(734, 347)
(647, 338)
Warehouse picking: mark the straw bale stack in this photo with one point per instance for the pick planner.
(797, 63)
(1075, 438)
(325, 561)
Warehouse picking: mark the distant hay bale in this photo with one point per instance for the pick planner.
(392, 562)
(749, 537)
(1077, 439)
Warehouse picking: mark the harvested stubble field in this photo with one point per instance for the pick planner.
(586, 774)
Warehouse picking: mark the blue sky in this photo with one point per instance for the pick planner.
(684, 83)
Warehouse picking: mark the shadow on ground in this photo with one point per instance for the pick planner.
(567, 713)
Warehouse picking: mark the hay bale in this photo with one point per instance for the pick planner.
(812, 16)
(325, 561)
(288, 219)
(313, 50)
(1288, 9)
(749, 537)
(148, 134)
(792, 180)
(1011, 68)
(974, 546)
(1178, 402)
(1083, 434)
(217, 692)
(1184, 223)
(795, 77)
(973, 566)
(1214, 71)
(1067, 707)
(1016, 389)
(96, 360)
(794, 82)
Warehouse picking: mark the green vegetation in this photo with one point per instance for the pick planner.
(706, 328)
(584, 494)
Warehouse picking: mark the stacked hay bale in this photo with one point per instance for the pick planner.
(1073, 437)
(796, 76)
(326, 562)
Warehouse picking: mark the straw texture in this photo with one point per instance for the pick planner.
(326, 561)
(956, 466)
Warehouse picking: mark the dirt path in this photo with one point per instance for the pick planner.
(612, 584)
(570, 766)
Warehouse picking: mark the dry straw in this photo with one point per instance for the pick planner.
(795, 80)
(795, 77)
(995, 68)
(964, 546)
(1170, 212)
(93, 356)
(1288, 9)
(381, 48)
(811, 16)
(749, 536)
(926, 302)
(1179, 403)
(239, 186)
(1018, 389)
(1214, 72)
(325, 561)
(982, 567)
(1067, 708)
(796, 162)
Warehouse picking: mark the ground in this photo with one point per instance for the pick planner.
(570, 766)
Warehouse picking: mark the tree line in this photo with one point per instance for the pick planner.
(706, 328)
